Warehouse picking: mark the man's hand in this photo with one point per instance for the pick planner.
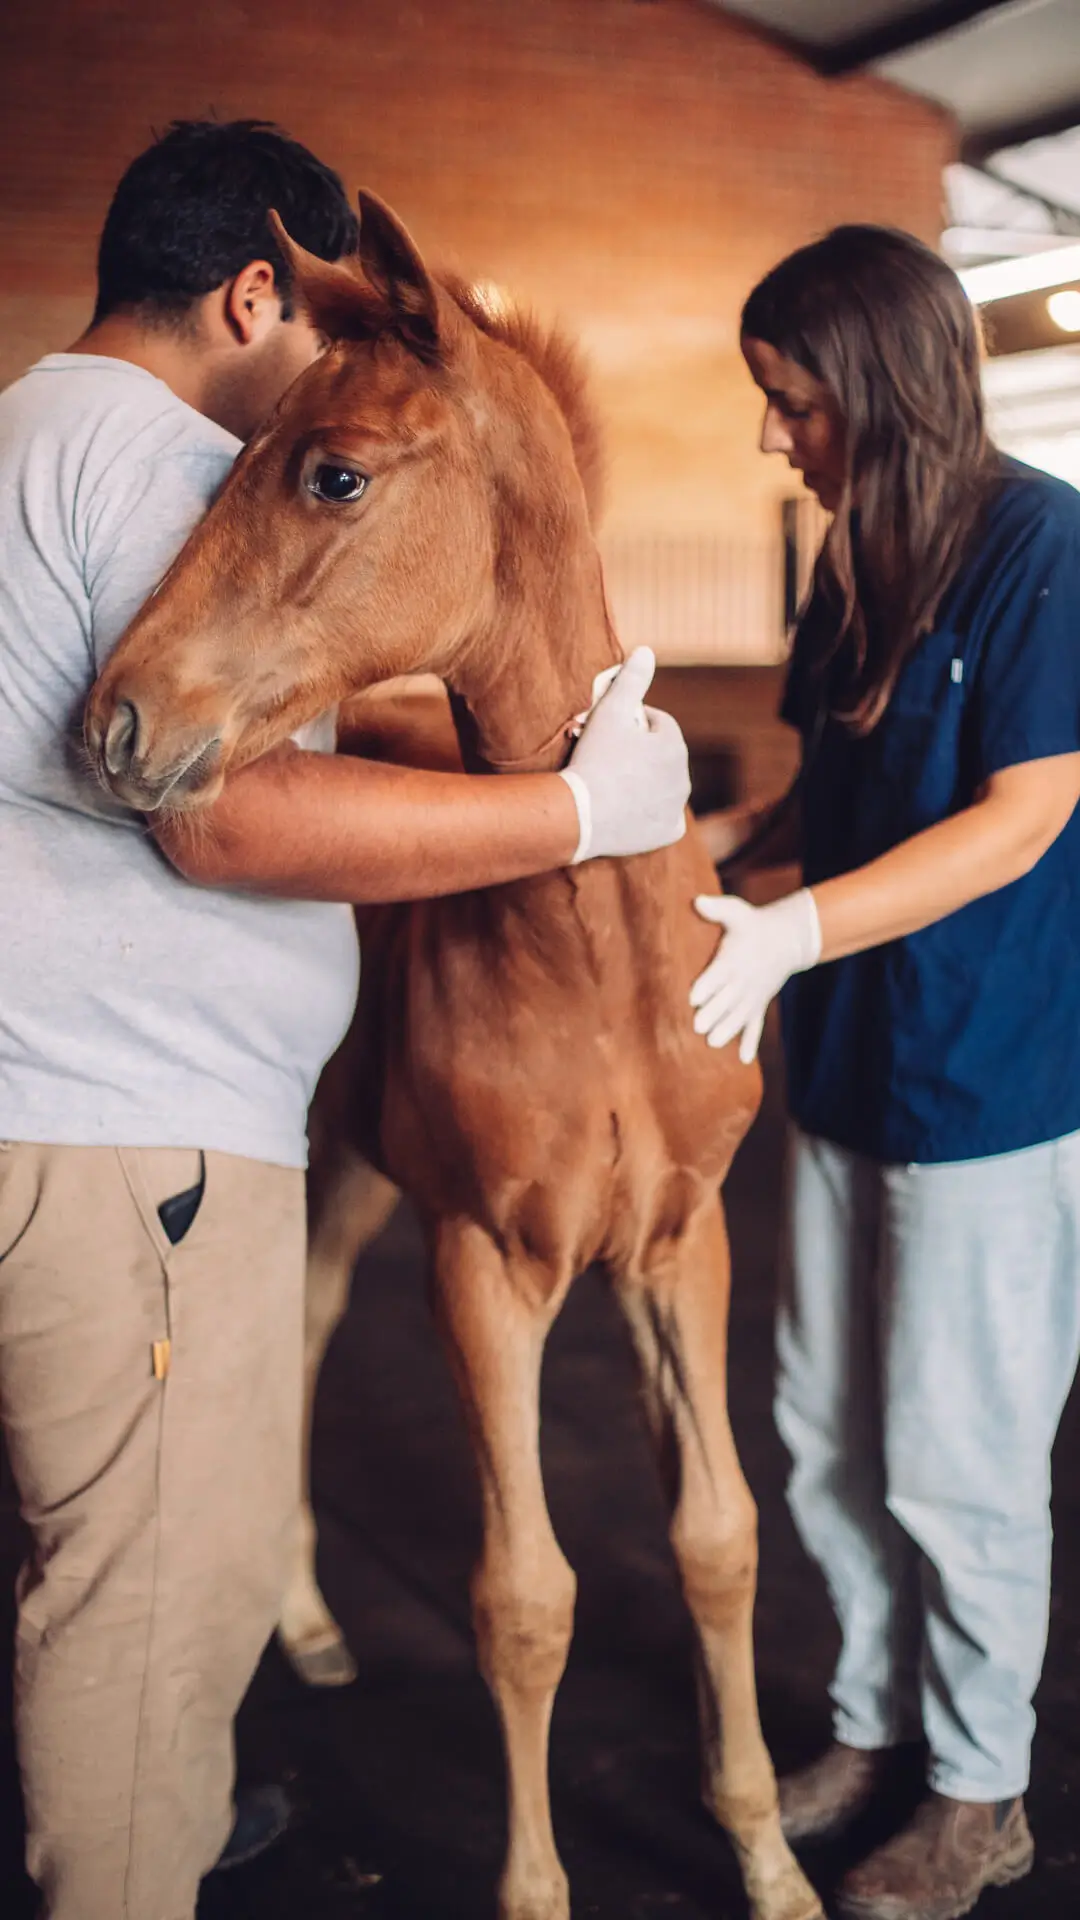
(629, 773)
(761, 948)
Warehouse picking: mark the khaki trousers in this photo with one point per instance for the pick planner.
(150, 1396)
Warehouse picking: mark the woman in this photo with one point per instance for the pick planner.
(931, 1020)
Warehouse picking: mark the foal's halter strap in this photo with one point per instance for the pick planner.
(539, 760)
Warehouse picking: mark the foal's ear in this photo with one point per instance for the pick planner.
(338, 298)
(394, 268)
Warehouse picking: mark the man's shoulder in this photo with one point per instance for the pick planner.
(109, 409)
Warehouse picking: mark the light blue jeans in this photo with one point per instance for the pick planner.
(929, 1333)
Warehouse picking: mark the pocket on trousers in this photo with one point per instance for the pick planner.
(177, 1213)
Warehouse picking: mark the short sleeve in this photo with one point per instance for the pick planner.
(147, 504)
(1026, 703)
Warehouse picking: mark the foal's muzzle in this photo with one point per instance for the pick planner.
(122, 747)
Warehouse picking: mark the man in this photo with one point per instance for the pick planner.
(159, 1042)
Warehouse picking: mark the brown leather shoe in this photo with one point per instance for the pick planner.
(937, 1868)
(832, 1792)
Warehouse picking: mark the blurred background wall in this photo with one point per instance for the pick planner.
(631, 166)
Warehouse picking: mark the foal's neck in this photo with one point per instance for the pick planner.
(519, 685)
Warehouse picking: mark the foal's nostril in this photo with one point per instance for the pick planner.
(122, 738)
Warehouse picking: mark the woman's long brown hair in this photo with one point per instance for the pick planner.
(888, 330)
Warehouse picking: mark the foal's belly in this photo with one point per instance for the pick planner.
(534, 1068)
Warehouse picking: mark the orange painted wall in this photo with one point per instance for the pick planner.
(632, 165)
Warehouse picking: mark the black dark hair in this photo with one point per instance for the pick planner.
(192, 210)
(885, 325)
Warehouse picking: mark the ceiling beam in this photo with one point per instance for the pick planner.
(898, 36)
(1066, 219)
(977, 146)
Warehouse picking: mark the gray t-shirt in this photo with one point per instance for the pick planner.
(135, 1009)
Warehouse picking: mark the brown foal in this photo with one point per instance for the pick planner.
(522, 1061)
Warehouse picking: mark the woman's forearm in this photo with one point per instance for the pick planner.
(988, 845)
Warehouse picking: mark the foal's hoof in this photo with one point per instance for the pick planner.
(539, 1896)
(797, 1902)
(328, 1665)
(784, 1894)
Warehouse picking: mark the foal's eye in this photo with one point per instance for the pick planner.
(337, 484)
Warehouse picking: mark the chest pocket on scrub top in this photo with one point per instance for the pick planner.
(920, 751)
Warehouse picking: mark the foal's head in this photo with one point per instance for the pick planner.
(418, 502)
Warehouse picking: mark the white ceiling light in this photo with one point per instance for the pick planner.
(1064, 310)
(1000, 279)
(992, 243)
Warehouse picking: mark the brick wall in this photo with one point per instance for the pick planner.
(632, 165)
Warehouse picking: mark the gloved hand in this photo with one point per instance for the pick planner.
(629, 773)
(761, 948)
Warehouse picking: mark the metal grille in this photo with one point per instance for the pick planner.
(700, 600)
(697, 599)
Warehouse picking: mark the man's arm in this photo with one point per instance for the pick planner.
(314, 826)
(326, 827)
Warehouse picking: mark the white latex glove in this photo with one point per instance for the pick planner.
(629, 773)
(761, 948)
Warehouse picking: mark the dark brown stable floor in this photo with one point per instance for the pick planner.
(398, 1777)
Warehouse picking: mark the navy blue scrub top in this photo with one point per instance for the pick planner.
(962, 1040)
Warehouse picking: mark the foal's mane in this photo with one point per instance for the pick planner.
(560, 365)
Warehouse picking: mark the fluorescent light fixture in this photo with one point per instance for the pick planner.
(1000, 279)
(1064, 310)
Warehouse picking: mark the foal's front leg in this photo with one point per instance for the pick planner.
(494, 1315)
(678, 1313)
